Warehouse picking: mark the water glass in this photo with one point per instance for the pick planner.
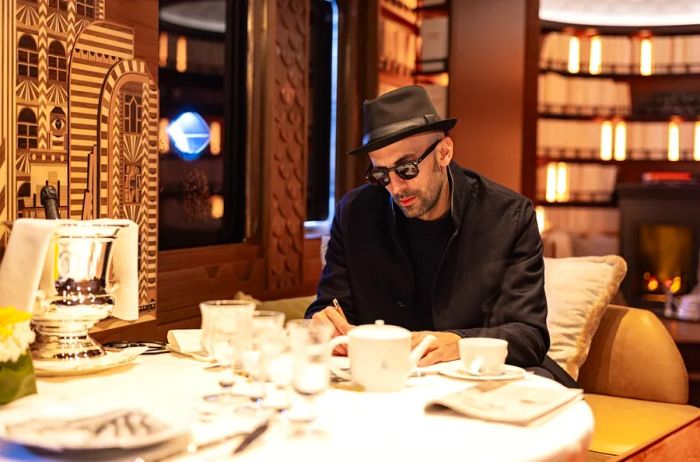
(226, 333)
(310, 373)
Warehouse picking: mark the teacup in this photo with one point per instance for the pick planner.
(380, 356)
(482, 355)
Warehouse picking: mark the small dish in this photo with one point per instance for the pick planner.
(457, 371)
(87, 365)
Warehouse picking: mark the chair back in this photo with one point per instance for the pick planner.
(633, 356)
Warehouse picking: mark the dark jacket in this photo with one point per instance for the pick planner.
(490, 282)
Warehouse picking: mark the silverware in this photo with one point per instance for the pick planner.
(252, 436)
(194, 448)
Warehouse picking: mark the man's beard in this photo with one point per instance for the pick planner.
(424, 200)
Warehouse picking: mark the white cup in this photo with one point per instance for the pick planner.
(482, 355)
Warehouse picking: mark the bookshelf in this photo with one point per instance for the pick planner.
(613, 103)
(413, 40)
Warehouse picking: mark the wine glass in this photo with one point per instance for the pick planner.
(226, 332)
(267, 328)
(310, 373)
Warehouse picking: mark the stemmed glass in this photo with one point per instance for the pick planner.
(310, 373)
(266, 343)
(226, 333)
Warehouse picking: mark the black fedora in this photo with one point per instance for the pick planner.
(397, 114)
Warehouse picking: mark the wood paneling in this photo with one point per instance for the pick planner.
(493, 87)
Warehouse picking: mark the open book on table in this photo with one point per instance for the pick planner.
(517, 403)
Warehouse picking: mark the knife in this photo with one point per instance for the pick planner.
(252, 436)
(194, 448)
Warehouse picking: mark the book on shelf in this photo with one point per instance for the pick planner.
(434, 34)
(667, 177)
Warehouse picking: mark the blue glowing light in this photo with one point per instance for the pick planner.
(189, 135)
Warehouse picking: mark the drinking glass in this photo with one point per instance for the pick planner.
(267, 329)
(310, 373)
(226, 332)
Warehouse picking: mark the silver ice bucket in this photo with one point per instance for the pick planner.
(82, 292)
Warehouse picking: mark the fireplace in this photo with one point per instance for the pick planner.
(660, 240)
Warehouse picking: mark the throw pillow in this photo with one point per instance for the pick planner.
(578, 291)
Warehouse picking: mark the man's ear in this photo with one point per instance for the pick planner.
(444, 152)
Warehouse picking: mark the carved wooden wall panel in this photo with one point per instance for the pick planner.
(286, 141)
(62, 68)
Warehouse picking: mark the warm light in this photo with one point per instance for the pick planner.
(163, 49)
(574, 54)
(620, 141)
(652, 284)
(676, 284)
(551, 190)
(181, 54)
(645, 57)
(674, 141)
(562, 182)
(606, 139)
(163, 135)
(216, 203)
(540, 216)
(696, 148)
(595, 63)
(215, 138)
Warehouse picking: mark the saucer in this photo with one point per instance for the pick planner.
(87, 365)
(457, 371)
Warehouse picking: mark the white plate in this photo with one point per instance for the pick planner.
(87, 365)
(63, 431)
(457, 371)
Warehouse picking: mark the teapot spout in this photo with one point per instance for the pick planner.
(419, 350)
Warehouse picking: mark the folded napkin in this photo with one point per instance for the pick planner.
(516, 403)
(187, 342)
(27, 266)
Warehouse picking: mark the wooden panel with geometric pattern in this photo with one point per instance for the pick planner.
(64, 65)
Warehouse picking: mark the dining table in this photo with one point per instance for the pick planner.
(350, 424)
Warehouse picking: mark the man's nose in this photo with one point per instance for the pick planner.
(396, 185)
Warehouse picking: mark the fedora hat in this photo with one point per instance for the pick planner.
(398, 114)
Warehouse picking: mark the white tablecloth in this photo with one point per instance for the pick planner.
(354, 426)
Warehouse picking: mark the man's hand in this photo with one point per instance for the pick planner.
(443, 348)
(336, 318)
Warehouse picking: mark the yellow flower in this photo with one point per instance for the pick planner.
(9, 316)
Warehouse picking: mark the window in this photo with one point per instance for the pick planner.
(26, 129)
(27, 57)
(57, 62)
(61, 5)
(202, 198)
(132, 113)
(85, 8)
(323, 57)
(131, 184)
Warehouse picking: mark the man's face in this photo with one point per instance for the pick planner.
(418, 196)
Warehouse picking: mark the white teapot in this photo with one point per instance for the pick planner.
(380, 355)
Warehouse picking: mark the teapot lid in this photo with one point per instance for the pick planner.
(380, 331)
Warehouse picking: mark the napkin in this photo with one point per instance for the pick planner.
(187, 342)
(27, 265)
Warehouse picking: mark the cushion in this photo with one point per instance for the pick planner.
(293, 308)
(578, 291)
(622, 424)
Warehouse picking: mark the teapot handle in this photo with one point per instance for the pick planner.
(342, 339)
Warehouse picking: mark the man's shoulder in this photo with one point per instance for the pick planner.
(364, 196)
(490, 190)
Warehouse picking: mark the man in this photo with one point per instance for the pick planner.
(430, 246)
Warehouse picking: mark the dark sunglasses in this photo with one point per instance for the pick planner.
(406, 169)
